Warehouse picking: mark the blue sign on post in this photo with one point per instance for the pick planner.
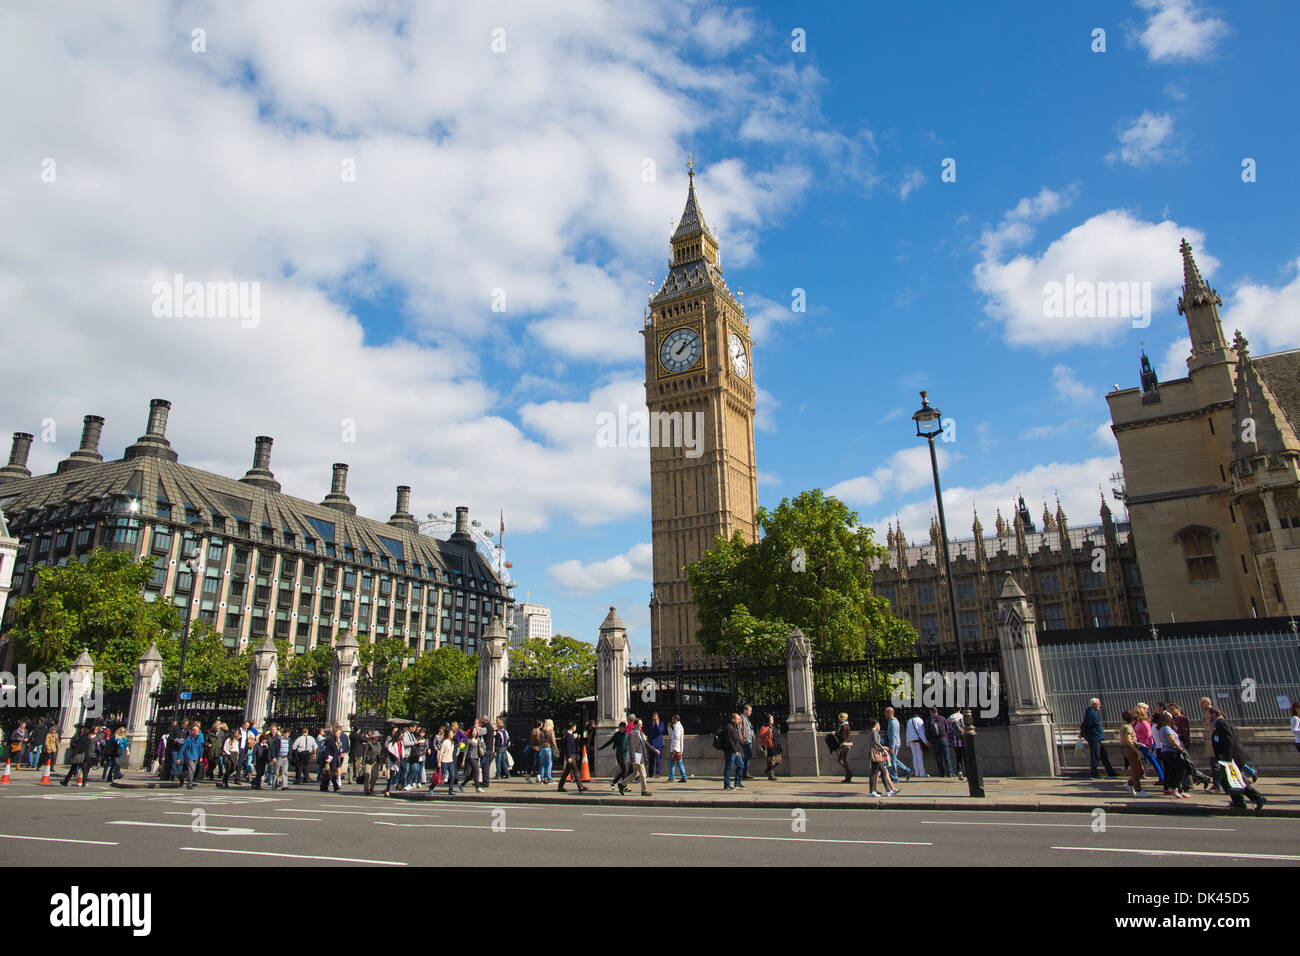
(186, 695)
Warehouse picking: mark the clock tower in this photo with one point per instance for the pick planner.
(699, 374)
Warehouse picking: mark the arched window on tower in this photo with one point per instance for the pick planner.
(1197, 543)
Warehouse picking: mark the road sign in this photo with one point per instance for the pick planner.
(186, 695)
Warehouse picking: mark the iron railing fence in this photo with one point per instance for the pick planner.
(1252, 678)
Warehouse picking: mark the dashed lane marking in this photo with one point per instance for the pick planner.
(294, 856)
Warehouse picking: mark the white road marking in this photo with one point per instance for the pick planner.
(1084, 826)
(293, 856)
(11, 836)
(355, 813)
(219, 831)
(685, 816)
(1239, 856)
(471, 826)
(728, 836)
(247, 816)
(59, 796)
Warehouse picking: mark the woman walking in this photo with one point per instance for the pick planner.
(502, 750)
(845, 737)
(879, 756)
(1128, 739)
(546, 752)
(447, 759)
(474, 751)
(229, 759)
(770, 738)
(1172, 757)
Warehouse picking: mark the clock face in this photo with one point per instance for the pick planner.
(739, 358)
(680, 350)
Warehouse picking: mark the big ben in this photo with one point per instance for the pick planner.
(699, 369)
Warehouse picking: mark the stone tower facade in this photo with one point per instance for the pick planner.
(699, 389)
(1211, 468)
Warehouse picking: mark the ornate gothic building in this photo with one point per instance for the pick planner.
(1075, 577)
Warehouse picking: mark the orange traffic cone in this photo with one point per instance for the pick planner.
(45, 777)
(5, 778)
(586, 772)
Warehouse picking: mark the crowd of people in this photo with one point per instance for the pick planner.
(95, 745)
(1161, 739)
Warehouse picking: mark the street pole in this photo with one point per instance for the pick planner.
(195, 564)
(930, 417)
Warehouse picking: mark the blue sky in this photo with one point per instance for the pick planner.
(509, 168)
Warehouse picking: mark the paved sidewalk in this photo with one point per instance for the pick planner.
(1046, 794)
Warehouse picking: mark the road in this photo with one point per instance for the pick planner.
(102, 826)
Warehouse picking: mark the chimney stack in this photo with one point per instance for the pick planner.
(17, 467)
(153, 443)
(462, 520)
(260, 474)
(338, 497)
(402, 517)
(92, 426)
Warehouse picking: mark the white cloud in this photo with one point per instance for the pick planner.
(1142, 142)
(912, 179)
(1069, 389)
(1177, 30)
(1105, 437)
(1076, 482)
(1017, 225)
(1111, 247)
(765, 406)
(633, 565)
(905, 471)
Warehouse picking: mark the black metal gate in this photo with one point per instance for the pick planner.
(298, 707)
(528, 700)
(371, 707)
(224, 703)
(706, 694)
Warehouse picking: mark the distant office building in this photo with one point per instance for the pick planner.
(531, 620)
(1075, 577)
(269, 563)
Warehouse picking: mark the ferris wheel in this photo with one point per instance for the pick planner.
(493, 552)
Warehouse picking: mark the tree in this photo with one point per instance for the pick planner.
(309, 667)
(440, 687)
(570, 663)
(208, 662)
(810, 569)
(99, 607)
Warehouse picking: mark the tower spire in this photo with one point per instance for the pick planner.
(1200, 305)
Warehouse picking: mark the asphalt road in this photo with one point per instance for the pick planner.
(103, 826)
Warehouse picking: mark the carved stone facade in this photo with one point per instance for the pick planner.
(1075, 577)
(1211, 471)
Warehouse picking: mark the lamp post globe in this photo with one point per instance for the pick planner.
(929, 425)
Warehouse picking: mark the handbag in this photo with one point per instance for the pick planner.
(510, 760)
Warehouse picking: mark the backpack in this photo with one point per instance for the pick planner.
(833, 742)
(932, 729)
(720, 739)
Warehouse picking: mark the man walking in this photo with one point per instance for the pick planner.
(1092, 731)
(655, 738)
(192, 753)
(489, 738)
(356, 754)
(303, 749)
(845, 736)
(894, 743)
(747, 737)
(79, 754)
(636, 748)
(957, 743)
(571, 768)
(280, 747)
(733, 751)
(936, 729)
(329, 756)
(676, 746)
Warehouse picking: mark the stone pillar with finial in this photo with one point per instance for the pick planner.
(613, 655)
(148, 680)
(343, 681)
(1033, 749)
(802, 755)
(72, 697)
(263, 671)
(493, 670)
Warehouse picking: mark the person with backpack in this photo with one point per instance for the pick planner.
(618, 741)
(770, 739)
(957, 743)
(330, 753)
(918, 743)
(728, 740)
(936, 728)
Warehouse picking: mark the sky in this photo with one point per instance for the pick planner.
(452, 214)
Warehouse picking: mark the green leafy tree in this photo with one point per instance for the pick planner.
(309, 667)
(571, 664)
(809, 569)
(440, 687)
(99, 607)
(208, 662)
(383, 661)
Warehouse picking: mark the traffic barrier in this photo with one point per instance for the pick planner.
(45, 776)
(586, 772)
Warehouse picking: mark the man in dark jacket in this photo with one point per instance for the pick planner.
(571, 768)
(80, 755)
(373, 758)
(1092, 731)
(654, 735)
(489, 739)
(329, 762)
(356, 748)
(733, 754)
(1227, 747)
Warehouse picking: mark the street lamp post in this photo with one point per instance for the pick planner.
(200, 527)
(928, 425)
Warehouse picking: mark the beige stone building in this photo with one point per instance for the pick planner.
(699, 385)
(1211, 470)
(265, 562)
(1076, 577)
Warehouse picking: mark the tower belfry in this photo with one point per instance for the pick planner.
(699, 389)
